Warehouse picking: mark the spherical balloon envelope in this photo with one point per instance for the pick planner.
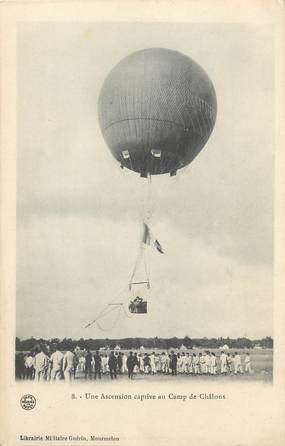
(157, 109)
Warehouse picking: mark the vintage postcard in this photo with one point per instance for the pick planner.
(142, 223)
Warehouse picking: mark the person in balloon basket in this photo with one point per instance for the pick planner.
(173, 364)
(112, 363)
(131, 362)
(97, 365)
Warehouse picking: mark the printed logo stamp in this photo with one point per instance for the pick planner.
(28, 402)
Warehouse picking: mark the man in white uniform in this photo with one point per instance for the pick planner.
(68, 365)
(208, 362)
(29, 366)
(201, 363)
(157, 362)
(247, 364)
(141, 362)
(229, 363)
(237, 363)
(57, 361)
(223, 359)
(152, 363)
(167, 363)
(213, 367)
(179, 363)
(183, 363)
(40, 364)
(163, 362)
(195, 362)
(124, 363)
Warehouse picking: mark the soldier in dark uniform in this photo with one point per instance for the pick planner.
(88, 364)
(112, 363)
(19, 365)
(173, 364)
(120, 362)
(131, 362)
(97, 365)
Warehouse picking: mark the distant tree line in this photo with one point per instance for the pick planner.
(136, 343)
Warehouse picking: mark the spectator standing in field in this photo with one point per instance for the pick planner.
(163, 362)
(213, 364)
(233, 362)
(124, 363)
(141, 363)
(195, 362)
(97, 365)
(130, 365)
(137, 363)
(68, 365)
(152, 363)
(48, 374)
(223, 359)
(200, 363)
(105, 364)
(29, 366)
(237, 363)
(229, 363)
(179, 363)
(88, 364)
(20, 365)
(112, 363)
(247, 364)
(76, 363)
(208, 362)
(120, 362)
(157, 362)
(173, 364)
(183, 363)
(57, 363)
(40, 364)
(81, 364)
(167, 363)
(203, 363)
(146, 361)
(188, 360)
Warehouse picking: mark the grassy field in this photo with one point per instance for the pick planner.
(261, 364)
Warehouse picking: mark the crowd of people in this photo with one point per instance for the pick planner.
(52, 364)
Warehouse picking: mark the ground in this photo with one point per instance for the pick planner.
(261, 363)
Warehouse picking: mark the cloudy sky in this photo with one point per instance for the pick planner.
(78, 214)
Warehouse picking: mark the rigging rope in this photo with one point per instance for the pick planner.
(113, 325)
(100, 315)
(141, 258)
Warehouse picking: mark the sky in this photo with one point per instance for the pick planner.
(79, 214)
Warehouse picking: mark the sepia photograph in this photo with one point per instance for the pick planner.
(145, 172)
(142, 223)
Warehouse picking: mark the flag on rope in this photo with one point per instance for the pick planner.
(148, 239)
